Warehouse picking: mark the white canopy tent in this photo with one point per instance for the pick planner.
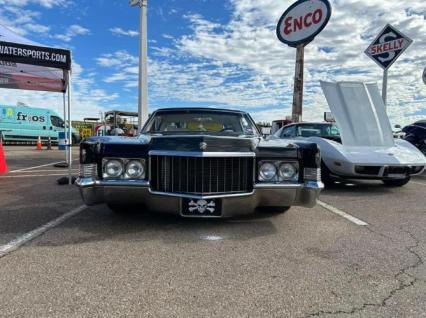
(27, 65)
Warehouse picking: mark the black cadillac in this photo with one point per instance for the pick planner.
(199, 162)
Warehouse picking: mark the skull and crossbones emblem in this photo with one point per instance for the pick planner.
(202, 206)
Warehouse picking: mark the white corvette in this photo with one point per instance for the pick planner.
(365, 147)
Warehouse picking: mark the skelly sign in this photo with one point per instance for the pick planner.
(298, 26)
(385, 49)
(302, 21)
(388, 46)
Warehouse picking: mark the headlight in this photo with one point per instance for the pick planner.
(287, 171)
(113, 169)
(135, 170)
(267, 171)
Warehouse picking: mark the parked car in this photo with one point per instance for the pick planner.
(324, 130)
(416, 135)
(199, 162)
(363, 146)
(24, 123)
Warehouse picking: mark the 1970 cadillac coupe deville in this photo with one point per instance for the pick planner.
(199, 162)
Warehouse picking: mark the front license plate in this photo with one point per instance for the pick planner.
(200, 207)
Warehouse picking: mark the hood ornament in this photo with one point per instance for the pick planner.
(203, 145)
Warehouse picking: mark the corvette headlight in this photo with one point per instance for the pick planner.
(113, 169)
(287, 171)
(135, 169)
(267, 171)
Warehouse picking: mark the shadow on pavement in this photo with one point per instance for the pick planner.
(357, 188)
(100, 223)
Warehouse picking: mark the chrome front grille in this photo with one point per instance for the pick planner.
(201, 175)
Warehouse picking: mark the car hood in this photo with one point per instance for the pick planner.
(360, 113)
(401, 153)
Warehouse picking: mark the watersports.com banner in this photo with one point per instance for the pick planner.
(35, 55)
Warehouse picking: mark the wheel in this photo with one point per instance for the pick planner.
(396, 182)
(326, 175)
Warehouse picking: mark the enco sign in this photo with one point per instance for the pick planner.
(302, 21)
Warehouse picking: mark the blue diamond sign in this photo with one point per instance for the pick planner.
(388, 46)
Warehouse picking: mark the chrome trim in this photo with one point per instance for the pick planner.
(200, 154)
(200, 197)
(278, 186)
(312, 174)
(89, 182)
(118, 192)
(88, 170)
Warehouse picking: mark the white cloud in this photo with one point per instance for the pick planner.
(249, 41)
(120, 31)
(43, 3)
(72, 31)
(241, 64)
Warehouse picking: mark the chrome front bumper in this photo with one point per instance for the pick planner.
(138, 192)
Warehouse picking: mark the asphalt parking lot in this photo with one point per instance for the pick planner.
(359, 253)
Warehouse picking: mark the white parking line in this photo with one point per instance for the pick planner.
(17, 243)
(37, 171)
(342, 213)
(65, 173)
(41, 166)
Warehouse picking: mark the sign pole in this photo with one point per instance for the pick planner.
(143, 66)
(298, 84)
(385, 86)
(297, 33)
(65, 122)
(69, 145)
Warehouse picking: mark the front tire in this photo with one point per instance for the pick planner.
(326, 175)
(396, 182)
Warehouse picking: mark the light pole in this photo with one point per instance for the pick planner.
(143, 63)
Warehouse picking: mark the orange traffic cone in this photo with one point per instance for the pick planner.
(39, 146)
(3, 164)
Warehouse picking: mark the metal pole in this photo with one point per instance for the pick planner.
(298, 85)
(65, 123)
(385, 86)
(143, 66)
(69, 130)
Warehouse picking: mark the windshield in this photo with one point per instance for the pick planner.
(319, 130)
(201, 122)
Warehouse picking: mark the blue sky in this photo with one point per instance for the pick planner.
(217, 53)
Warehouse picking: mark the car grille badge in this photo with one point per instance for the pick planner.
(203, 145)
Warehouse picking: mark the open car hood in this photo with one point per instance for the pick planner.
(360, 113)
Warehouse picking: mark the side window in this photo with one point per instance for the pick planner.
(289, 132)
(246, 126)
(57, 122)
(334, 131)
